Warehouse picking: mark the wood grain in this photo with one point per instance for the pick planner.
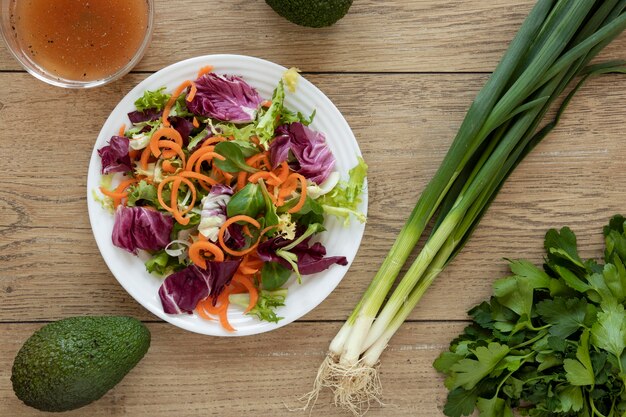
(403, 123)
(397, 35)
(185, 374)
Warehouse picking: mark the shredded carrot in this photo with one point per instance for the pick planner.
(170, 103)
(246, 230)
(120, 191)
(289, 186)
(241, 179)
(226, 175)
(202, 312)
(202, 178)
(167, 132)
(122, 130)
(224, 227)
(176, 149)
(174, 208)
(195, 122)
(282, 172)
(145, 156)
(199, 153)
(205, 70)
(254, 294)
(256, 161)
(212, 140)
(197, 249)
(302, 200)
(224, 320)
(266, 103)
(134, 153)
(271, 178)
(168, 167)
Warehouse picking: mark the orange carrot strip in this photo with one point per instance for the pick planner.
(226, 175)
(224, 227)
(134, 153)
(201, 177)
(205, 70)
(184, 181)
(145, 156)
(174, 203)
(168, 167)
(269, 176)
(113, 194)
(254, 294)
(201, 152)
(283, 171)
(241, 180)
(289, 186)
(122, 130)
(195, 122)
(212, 140)
(174, 97)
(197, 249)
(169, 133)
(255, 160)
(224, 320)
(302, 200)
(176, 148)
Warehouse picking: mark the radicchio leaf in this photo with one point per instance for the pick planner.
(141, 228)
(182, 125)
(314, 160)
(148, 115)
(213, 214)
(115, 155)
(310, 258)
(225, 97)
(181, 291)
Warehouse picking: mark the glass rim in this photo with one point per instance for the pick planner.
(7, 33)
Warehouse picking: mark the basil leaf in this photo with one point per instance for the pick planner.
(235, 160)
(274, 275)
(249, 201)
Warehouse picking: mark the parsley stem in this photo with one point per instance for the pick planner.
(541, 335)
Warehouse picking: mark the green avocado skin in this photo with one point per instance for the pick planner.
(312, 13)
(71, 362)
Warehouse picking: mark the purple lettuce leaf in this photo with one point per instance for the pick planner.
(148, 115)
(314, 160)
(181, 291)
(114, 156)
(141, 228)
(225, 97)
(311, 259)
(182, 125)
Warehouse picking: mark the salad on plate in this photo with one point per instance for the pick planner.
(224, 194)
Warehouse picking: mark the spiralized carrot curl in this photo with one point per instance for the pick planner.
(168, 133)
(145, 157)
(224, 227)
(122, 130)
(241, 180)
(302, 200)
(120, 191)
(202, 179)
(259, 160)
(197, 250)
(198, 154)
(170, 103)
(252, 291)
(270, 177)
(213, 140)
(205, 70)
(176, 150)
(173, 207)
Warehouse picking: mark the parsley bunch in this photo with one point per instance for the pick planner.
(551, 341)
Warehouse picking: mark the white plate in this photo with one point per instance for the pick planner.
(339, 240)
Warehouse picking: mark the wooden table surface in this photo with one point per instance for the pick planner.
(403, 73)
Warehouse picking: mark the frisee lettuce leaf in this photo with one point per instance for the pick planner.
(152, 99)
(343, 200)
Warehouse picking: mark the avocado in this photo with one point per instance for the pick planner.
(71, 362)
(313, 13)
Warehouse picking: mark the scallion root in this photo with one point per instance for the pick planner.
(355, 387)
